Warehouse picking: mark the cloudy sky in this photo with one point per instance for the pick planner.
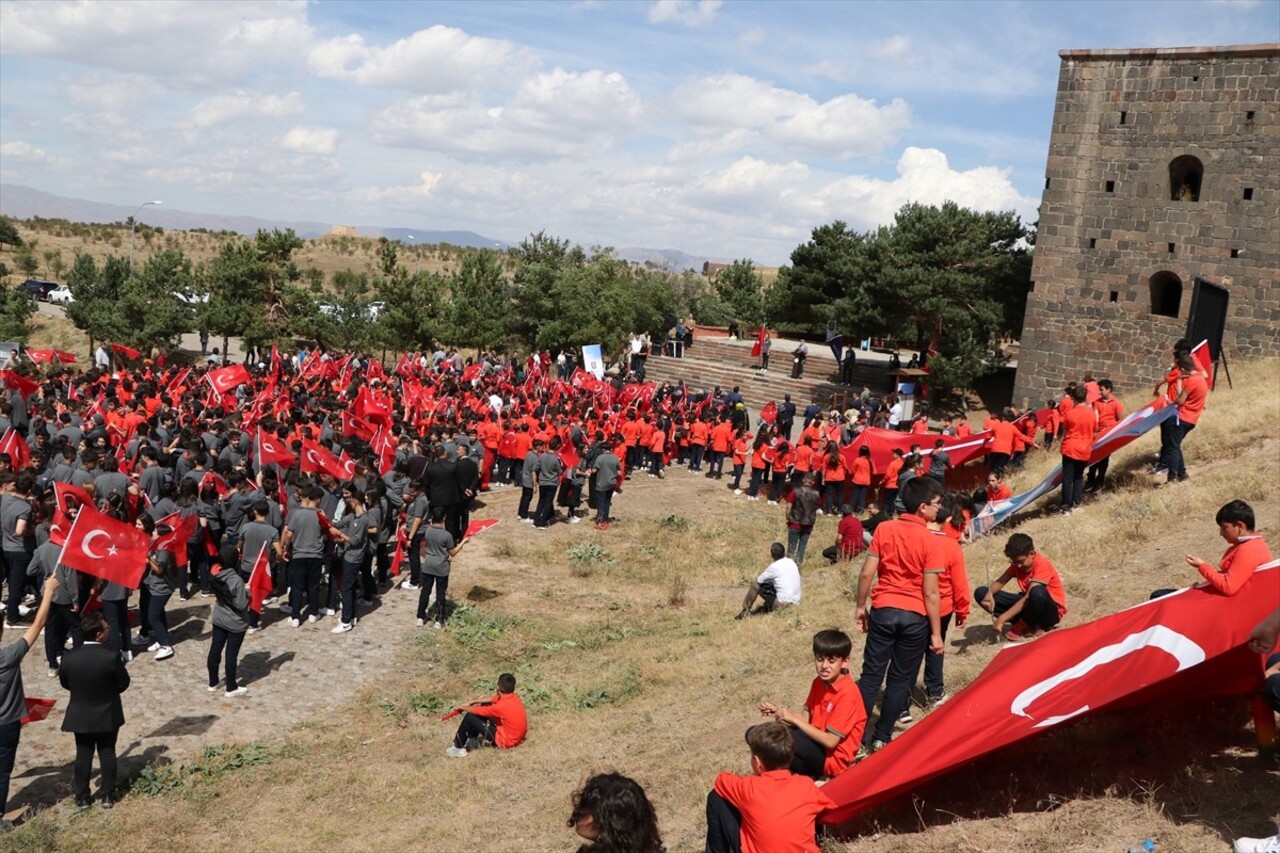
(728, 129)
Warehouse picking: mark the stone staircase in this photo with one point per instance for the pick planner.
(725, 362)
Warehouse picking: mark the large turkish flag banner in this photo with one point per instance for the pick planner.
(1178, 648)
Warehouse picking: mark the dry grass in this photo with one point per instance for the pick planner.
(618, 676)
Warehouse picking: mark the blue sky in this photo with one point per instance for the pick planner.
(728, 129)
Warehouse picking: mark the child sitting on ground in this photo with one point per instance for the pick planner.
(849, 538)
(497, 721)
(770, 810)
(1247, 550)
(1042, 602)
(828, 734)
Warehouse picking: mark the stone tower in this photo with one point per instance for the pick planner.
(1162, 189)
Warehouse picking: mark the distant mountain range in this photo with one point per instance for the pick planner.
(23, 202)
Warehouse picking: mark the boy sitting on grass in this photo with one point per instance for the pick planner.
(828, 734)
(1042, 601)
(1247, 550)
(770, 810)
(497, 721)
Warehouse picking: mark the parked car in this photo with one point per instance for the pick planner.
(37, 288)
(61, 295)
(374, 309)
(327, 309)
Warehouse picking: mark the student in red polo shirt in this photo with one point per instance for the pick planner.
(770, 811)
(1192, 393)
(1042, 601)
(1080, 424)
(1110, 411)
(828, 733)
(904, 562)
(1247, 550)
(497, 721)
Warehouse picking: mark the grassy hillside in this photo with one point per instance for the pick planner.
(628, 658)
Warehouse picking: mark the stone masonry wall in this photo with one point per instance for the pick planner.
(1109, 222)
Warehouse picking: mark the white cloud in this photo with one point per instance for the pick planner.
(831, 70)
(432, 61)
(925, 176)
(244, 105)
(752, 37)
(311, 140)
(553, 115)
(691, 13)
(111, 92)
(21, 151)
(893, 49)
(195, 44)
(406, 195)
(844, 126)
(130, 155)
(751, 179)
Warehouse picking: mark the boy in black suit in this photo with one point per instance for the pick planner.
(96, 676)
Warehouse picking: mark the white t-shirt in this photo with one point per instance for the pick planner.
(785, 575)
(895, 414)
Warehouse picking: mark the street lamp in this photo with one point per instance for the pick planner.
(133, 227)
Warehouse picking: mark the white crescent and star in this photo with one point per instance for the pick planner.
(88, 539)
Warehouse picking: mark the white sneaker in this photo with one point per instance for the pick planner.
(252, 630)
(438, 625)
(739, 491)
(294, 623)
(455, 752)
(24, 610)
(52, 673)
(239, 691)
(573, 519)
(773, 503)
(526, 521)
(213, 688)
(421, 623)
(1257, 845)
(341, 628)
(328, 611)
(412, 585)
(164, 653)
(154, 647)
(313, 619)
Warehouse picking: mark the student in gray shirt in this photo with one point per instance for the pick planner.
(17, 522)
(13, 703)
(438, 550)
(64, 620)
(355, 548)
(304, 540)
(161, 579)
(550, 467)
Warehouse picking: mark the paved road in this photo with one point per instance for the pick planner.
(190, 342)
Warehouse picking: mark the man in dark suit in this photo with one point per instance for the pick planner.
(96, 676)
(442, 489)
(468, 476)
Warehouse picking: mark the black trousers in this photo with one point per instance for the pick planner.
(63, 623)
(441, 584)
(1039, 613)
(472, 726)
(546, 506)
(809, 758)
(105, 745)
(228, 642)
(724, 826)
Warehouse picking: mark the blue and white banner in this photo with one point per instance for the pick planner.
(1134, 426)
(593, 361)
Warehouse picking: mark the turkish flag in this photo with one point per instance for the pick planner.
(63, 491)
(219, 485)
(1178, 648)
(471, 373)
(15, 381)
(226, 379)
(127, 352)
(175, 542)
(1204, 360)
(479, 526)
(315, 458)
(758, 347)
(58, 527)
(41, 356)
(38, 709)
(769, 413)
(384, 446)
(14, 445)
(355, 426)
(402, 545)
(271, 449)
(260, 583)
(369, 408)
(178, 383)
(569, 456)
(113, 550)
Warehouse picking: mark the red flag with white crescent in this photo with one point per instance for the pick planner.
(271, 449)
(175, 542)
(16, 446)
(63, 491)
(260, 583)
(226, 379)
(101, 546)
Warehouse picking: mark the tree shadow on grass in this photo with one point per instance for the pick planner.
(1196, 764)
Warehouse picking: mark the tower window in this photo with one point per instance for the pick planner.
(1166, 294)
(1186, 174)
(1111, 186)
(1093, 242)
(1172, 247)
(1248, 193)
(1046, 183)
(1235, 253)
(1124, 117)
(1115, 296)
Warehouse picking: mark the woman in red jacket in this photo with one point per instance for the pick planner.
(1079, 425)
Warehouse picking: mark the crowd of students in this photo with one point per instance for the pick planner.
(333, 474)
